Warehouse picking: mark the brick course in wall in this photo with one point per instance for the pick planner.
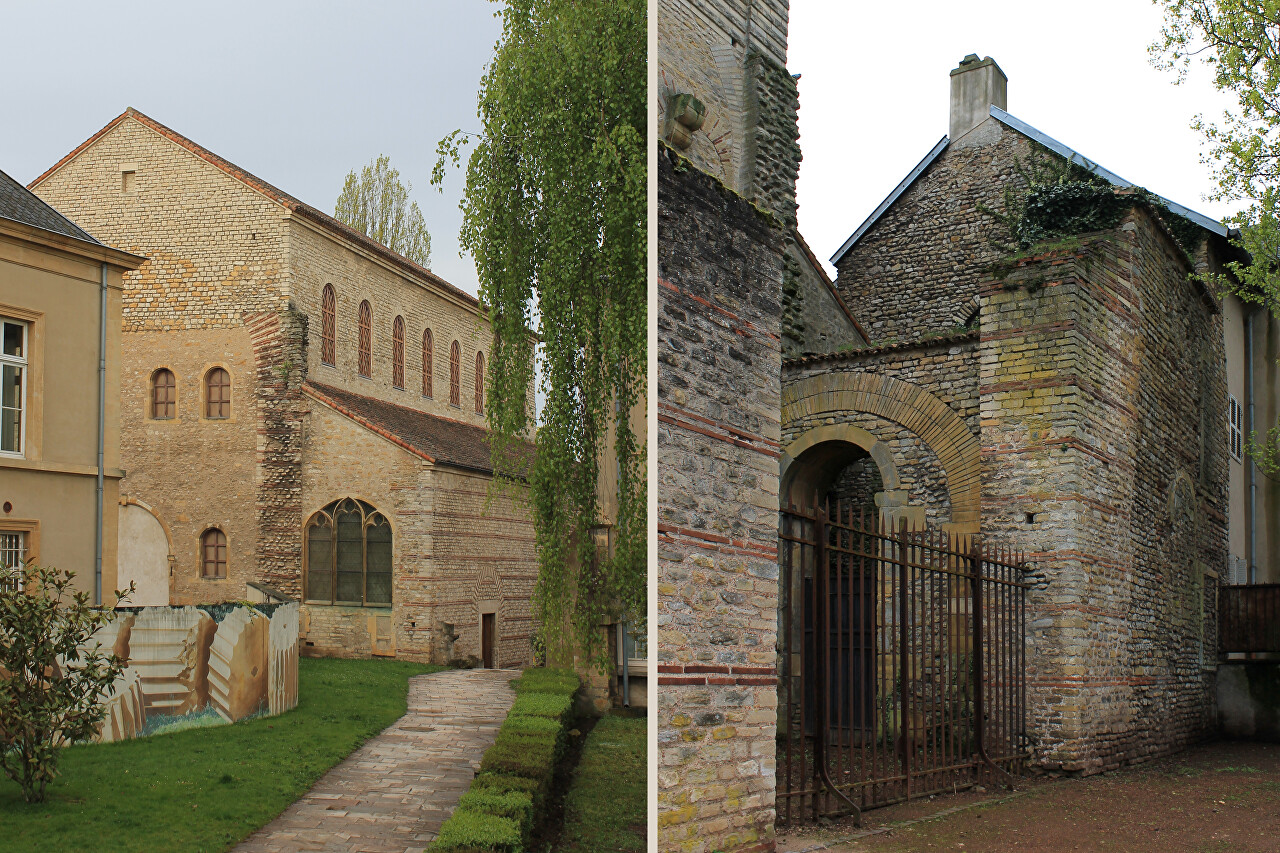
(719, 361)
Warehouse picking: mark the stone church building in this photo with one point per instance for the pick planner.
(301, 412)
(1069, 401)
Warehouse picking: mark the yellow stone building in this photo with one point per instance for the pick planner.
(301, 410)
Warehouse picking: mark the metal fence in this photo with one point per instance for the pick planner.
(901, 663)
(1249, 618)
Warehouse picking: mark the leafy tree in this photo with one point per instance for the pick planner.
(376, 203)
(53, 679)
(1239, 40)
(555, 216)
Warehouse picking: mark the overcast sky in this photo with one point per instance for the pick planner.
(875, 85)
(298, 93)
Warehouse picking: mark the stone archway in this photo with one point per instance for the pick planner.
(903, 403)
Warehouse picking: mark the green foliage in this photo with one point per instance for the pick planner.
(531, 761)
(555, 216)
(564, 682)
(169, 793)
(606, 807)
(500, 783)
(513, 805)
(555, 706)
(53, 679)
(1239, 40)
(376, 203)
(469, 831)
(532, 725)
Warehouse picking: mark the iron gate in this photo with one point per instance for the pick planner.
(901, 663)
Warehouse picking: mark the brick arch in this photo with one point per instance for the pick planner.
(908, 405)
(844, 434)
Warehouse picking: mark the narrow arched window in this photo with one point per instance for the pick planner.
(455, 375)
(328, 325)
(366, 339)
(479, 383)
(217, 394)
(349, 555)
(164, 395)
(397, 352)
(213, 553)
(427, 362)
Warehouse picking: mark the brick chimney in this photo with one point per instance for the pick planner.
(975, 86)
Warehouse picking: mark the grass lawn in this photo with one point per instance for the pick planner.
(206, 789)
(605, 808)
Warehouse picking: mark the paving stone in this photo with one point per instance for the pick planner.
(392, 794)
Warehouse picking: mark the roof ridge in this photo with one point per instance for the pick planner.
(284, 199)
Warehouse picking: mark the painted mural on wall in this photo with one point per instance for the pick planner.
(200, 666)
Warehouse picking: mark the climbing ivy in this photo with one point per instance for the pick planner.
(554, 214)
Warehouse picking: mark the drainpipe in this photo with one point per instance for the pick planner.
(1253, 468)
(102, 427)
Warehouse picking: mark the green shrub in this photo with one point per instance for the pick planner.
(532, 761)
(542, 680)
(512, 805)
(468, 831)
(502, 783)
(556, 707)
(532, 725)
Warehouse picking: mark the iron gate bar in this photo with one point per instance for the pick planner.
(877, 721)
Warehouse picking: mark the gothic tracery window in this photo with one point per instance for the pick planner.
(397, 352)
(479, 383)
(427, 362)
(366, 339)
(455, 375)
(348, 547)
(328, 325)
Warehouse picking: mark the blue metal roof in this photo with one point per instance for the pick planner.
(1045, 140)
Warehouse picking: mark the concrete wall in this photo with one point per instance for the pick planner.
(719, 363)
(51, 486)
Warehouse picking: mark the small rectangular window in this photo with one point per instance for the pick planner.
(1235, 428)
(128, 179)
(12, 554)
(13, 391)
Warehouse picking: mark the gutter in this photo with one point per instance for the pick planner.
(102, 429)
(1253, 465)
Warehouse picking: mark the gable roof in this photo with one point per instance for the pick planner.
(438, 440)
(1047, 141)
(20, 204)
(295, 206)
(831, 288)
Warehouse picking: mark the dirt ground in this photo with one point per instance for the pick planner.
(1221, 797)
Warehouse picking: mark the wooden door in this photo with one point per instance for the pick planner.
(487, 635)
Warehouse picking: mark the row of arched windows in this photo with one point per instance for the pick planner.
(364, 345)
(164, 394)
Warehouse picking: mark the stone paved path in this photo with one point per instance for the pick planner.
(392, 794)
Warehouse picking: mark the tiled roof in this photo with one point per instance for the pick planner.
(431, 437)
(279, 196)
(21, 205)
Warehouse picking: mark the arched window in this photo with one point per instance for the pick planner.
(397, 352)
(348, 555)
(427, 362)
(366, 339)
(455, 375)
(217, 394)
(328, 325)
(164, 395)
(479, 383)
(213, 554)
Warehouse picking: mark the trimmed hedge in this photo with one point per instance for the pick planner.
(508, 797)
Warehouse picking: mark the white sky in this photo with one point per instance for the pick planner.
(875, 85)
(298, 92)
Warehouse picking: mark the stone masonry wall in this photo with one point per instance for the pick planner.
(483, 561)
(1102, 388)
(720, 278)
(918, 268)
(946, 369)
(316, 259)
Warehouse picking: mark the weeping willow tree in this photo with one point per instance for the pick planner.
(555, 216)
